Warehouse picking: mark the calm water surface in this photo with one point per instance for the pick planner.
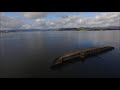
(30, 54)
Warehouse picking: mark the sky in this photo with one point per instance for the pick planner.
(49, 20)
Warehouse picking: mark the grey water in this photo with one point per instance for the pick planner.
(30, 54)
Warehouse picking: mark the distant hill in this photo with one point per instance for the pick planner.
(65, 29)
(25, 30)
(114, 27)
(100, 28)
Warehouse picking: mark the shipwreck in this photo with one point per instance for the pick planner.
(82, 55)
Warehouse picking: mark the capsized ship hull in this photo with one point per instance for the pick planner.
(81, 54)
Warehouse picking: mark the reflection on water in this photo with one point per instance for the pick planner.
(30, 54)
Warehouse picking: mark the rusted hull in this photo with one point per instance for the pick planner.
(81, 54)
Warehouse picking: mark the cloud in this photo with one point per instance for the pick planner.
(106, 19)
(26, 26)
(107, 16)
(61, 22)
(35, 15)
(100, 20)
(73, 21)
(8, 23)
(38, 20)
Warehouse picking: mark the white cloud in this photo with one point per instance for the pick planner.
(38, 21)
(26, 26)
(34, 15)
(107, 16)
(62, 22)
(72, 21)
(106, 19)
(9, 23)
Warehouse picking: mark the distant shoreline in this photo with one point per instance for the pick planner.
(55, 30)
(64, 29)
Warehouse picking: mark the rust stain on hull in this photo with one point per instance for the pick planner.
(81, 54)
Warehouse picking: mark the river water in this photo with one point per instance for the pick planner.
(31, 54)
